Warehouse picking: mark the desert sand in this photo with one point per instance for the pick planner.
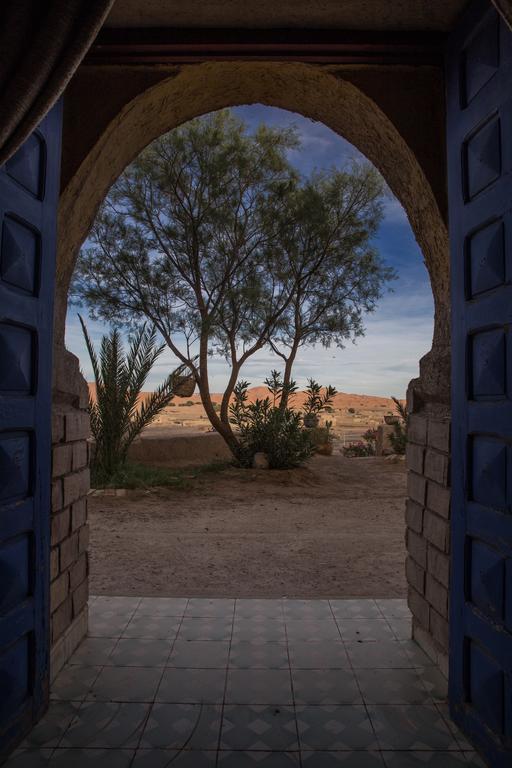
(334, 528)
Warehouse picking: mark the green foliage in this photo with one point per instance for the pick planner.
(265, 427)
(398, 438)
(316, 400)
(351, 410)
(364, 447)
(142, 477)
(280, 433)
(117, 414)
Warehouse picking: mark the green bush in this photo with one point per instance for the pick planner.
(266, 427)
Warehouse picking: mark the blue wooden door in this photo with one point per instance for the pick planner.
(479, 142)
(28, 203)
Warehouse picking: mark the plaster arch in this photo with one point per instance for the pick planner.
(310, 90)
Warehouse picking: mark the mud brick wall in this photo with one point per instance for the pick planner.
(69, 530)
(428, 532)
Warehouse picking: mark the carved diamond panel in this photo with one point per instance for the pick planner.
(14, 676)
(482, 157)
(488, 364)
(14, 572)
(485, 253)
(20, 254)
(27, 165)
(15, 466)
(487, 581)
(480, 60)
(17, 356)
(489, 472)
(486, 687)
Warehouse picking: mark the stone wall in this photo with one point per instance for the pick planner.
(69, 529)
(428, 531)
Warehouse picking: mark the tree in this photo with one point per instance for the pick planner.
(183, 239)
(117, 413)
(212, 236)
(325, 245)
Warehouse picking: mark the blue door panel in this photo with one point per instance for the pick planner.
(28, 204)
(479, 140)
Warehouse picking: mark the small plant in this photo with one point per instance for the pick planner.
(118, 415)
(351, 410)
(265, 427)
(189, 403)
(316, 401)
(398, 438)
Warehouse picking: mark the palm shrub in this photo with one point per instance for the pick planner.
(118, 415)
(398, 438)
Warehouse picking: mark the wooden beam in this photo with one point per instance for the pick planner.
(140, 46)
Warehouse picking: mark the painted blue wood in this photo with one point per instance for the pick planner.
(479, 141)
(29, 185)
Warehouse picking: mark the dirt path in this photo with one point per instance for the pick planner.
(332, 529)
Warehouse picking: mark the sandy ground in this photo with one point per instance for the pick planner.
(334, 528)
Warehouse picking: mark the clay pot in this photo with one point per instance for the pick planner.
(260, 461)
(325, 450)
(311, 420)
(390, 419)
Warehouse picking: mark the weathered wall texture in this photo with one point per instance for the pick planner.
(69, 530)
(395, 117)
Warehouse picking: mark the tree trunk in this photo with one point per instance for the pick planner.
(223, 428)
(287, 376)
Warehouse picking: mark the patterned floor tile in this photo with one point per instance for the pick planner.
(245, 655)
(435, 683)
(365, 630)
(325, 686)
(205, 629)
(205, 608)
(330, 655)
(382, 655)
(346, 759)
(392, 686)
(311, 631)
(29, 758)
(257, 609)
(258, 728)
(106, 725)
(265, 759)
(107, 624)
(414, 727)
(192, 686)
(50, 729)
(157, 627)
(93, 651)
(162, 606)
(307, 610)
(401, 628)
(116, 604)
(74, 683)
(199, 654)
(335, 728)
(259, 686)
(140, 652)
(425, 759)
(170, 758)
(182, 726)
(355, 609)
(126, 684)
(259, 630)
(394, 607)
(418, 657)
(99, 758)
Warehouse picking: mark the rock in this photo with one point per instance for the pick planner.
(260, 461)
(383, 444)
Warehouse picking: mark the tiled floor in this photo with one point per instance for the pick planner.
(164, 682)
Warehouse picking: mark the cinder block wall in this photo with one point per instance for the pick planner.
(69, 530)
(428, 532)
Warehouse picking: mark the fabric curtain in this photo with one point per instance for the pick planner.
(505, 8)
(42, 42)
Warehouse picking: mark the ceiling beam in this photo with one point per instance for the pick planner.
(157, 46)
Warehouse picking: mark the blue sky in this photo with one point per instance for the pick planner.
(398, 333)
